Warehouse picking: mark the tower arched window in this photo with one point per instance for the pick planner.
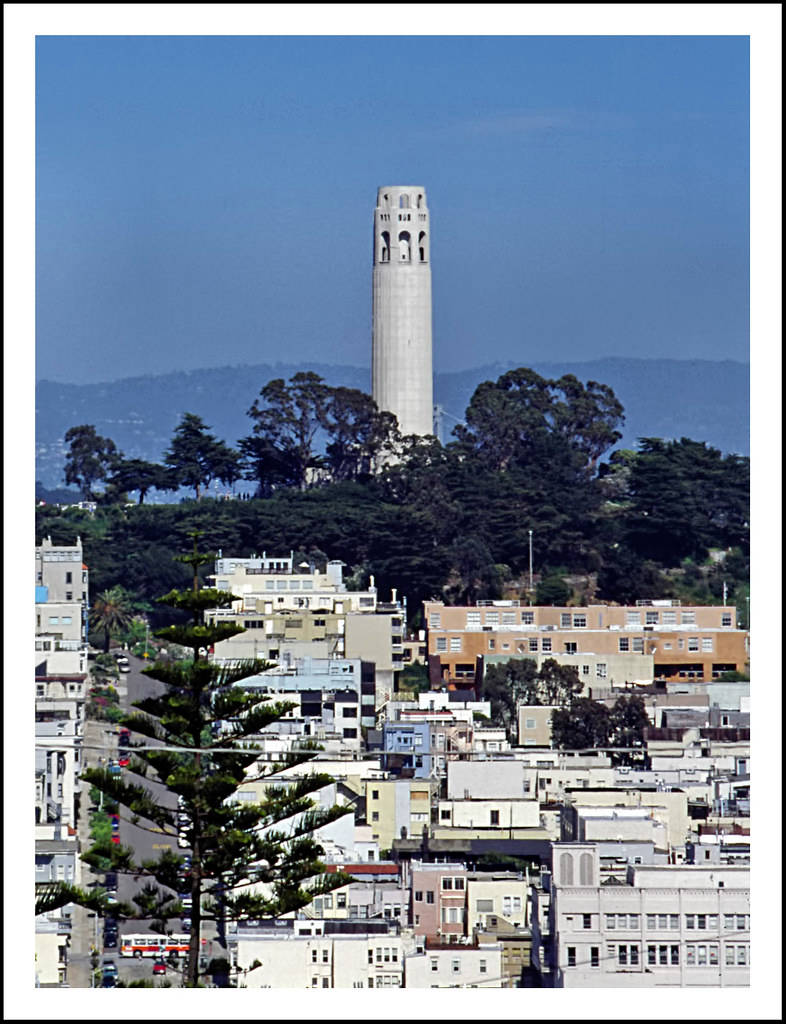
(404, 253)
(420, 201)
(423, 247)
(585, 869)
(384, 247)
(403, 202)
(566, 869)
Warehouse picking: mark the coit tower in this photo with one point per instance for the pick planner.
(401, 308)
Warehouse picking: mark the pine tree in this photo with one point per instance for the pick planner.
(247, 860)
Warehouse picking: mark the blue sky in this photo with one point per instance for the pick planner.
(206, 201)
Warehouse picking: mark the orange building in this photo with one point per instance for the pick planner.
(685, 641)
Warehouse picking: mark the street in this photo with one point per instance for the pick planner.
(146, 839)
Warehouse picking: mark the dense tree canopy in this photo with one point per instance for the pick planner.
(449, 521)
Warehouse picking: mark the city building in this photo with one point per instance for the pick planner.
(610, 645)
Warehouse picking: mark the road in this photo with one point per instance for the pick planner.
(147, 840)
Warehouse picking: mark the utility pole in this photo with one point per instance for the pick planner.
(530, 566)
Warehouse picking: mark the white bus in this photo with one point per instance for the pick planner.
(153, 945)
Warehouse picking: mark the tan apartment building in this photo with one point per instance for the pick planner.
(397, 808)
(694, 642)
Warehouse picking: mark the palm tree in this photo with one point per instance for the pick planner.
(111, 613)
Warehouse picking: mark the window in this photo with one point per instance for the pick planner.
(418, 895)
(455, 644)
(455, 966)
(693, 643)
(375, 794)
(69, 595)
(429, 897)
(492, 644)
(564, 620)
(508, 618)
(447, 883)
(545, 644)
(494, 817)
(579, 621)
(571, 647)
(632, 618)
(638, 644)
(529, 723)
(728, 921)
(482, 968)
(527, 618)
(473, 619)
(594, 956)
(586, 920)
(611, 922)
(600, 670)
(325, 956)
(726, 619)
(442, 644)
(484, 906)
(533, 644)
(624, 643)
(458, 883)
(669, 619)
(651, 618)
(706, 643)
(375, 815)
(688, 618)
(571, 956)
(652, 955)
(69, 577)
(492, 618)
(434, 964)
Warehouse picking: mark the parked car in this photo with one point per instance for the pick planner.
(123, 737)
(115, 837)
(123, 666)
(123, 761)
(110, 940)
(109, 967)
(114, 768)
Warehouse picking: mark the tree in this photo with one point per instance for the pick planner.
(585, 725)
(510, 422)
(359, 433)
(282, 447)
(140, 475)
(552, 590)
(195, 457)
(629, 719)
(89, 458)
(685, 497)
(248, 859)
(519, 681)
(111, 613)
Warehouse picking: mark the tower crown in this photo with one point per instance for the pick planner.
(401, 225)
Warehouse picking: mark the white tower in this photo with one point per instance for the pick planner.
(401, 369)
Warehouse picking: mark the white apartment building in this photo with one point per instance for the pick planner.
(455, 966)
(307, 954)
(667, 926)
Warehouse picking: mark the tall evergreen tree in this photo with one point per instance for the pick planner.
(248, 859)
(196, 457)
(90, 457)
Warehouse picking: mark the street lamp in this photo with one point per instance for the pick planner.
(530, 566)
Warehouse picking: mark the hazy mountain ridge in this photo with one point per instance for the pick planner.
(701, 399)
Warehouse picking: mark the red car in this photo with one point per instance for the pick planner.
(123, 761)
(115, 837)
(159, 967)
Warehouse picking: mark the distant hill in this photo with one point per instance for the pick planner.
(701, 399)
